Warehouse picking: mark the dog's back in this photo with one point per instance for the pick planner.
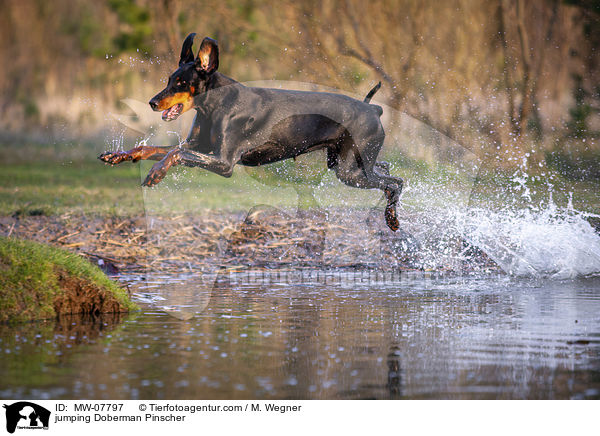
(297, 121)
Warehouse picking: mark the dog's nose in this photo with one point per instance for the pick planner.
(153, 104)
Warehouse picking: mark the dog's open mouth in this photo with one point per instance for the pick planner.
(172, 113)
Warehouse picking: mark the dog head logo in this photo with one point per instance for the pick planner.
(26, 415)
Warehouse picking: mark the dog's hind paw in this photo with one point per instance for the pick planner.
(391, 219)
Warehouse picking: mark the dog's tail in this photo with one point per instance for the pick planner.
(372, 93)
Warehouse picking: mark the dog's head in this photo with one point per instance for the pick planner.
(188, 80)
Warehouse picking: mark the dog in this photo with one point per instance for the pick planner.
(235, 124)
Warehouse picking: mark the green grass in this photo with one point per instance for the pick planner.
(49, 188)
(90, 187)
(30, 281)
(46, 187)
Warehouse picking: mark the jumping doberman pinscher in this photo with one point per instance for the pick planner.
(236, 124)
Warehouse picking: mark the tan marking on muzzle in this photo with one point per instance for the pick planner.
(185, 98)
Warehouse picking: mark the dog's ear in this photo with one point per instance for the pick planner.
(187, 55)
(208, 56)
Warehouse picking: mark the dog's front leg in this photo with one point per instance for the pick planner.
(141, 152)
(159, 169)
(221, 166)
(188, 158)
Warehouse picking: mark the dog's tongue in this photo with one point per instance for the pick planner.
(172, 113)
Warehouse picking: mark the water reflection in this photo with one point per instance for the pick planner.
(36, 356)
(394, 383)
(414, 337)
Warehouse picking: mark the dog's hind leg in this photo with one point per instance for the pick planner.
(359, 174)
(392, 188)
(383, 167)
(392, 194)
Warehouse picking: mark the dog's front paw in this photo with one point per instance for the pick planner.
(156, 174)
(115, 157)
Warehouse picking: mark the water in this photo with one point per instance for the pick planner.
(331, 335)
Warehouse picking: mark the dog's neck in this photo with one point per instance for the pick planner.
(218, 87)
(218, 80)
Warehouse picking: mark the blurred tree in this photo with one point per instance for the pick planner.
(135, 29)
(487, 74)
(577, 126)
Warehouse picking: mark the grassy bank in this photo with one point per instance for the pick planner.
(39, 281)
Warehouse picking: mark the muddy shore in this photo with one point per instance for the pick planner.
(263, 238)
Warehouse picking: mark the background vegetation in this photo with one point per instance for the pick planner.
(492, 75)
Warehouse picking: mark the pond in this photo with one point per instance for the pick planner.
(337, 334)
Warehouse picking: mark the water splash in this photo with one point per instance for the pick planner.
(536, 239)
(180, 139)
(144, 141)
(516, 223)
(555, 243)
